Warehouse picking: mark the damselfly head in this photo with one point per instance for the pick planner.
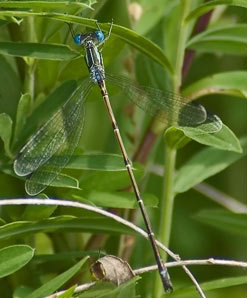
(100, 35)
(78, 38)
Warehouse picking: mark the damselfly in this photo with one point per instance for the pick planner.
(49, 150)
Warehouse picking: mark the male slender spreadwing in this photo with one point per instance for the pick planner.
(49, 150)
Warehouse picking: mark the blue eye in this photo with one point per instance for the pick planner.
(78, 39)
(100, 35)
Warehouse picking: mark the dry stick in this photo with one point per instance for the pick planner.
(65, 203)
(210, 261)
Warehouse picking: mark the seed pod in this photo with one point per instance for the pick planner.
(112, 269)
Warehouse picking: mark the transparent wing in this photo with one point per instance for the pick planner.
(60, 135)
(168, 107)
(45, 174)
(48, 139)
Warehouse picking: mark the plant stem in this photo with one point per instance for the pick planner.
(166, 205)
(29, 83)
(167, 202)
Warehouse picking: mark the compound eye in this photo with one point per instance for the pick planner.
(78, 39)
(100, 35)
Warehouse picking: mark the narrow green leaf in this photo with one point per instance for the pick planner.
(108, 180)
(224, 220)
(10, 89)
(54, 284)
(37, 50)
(231, 83)
(154, 12)
(63, 256)
(205, 164)
(211, 285)
(224, 139)
(13, 258)
(97, 161)
(126, 289)
(204, 8)
(101, 288)
(23, 109)
(62, 180)
(68, 293)
(6, 132)
(175, 138)
(44, 4)
(67, 181)
(228, 39)
(109, 290)
(45, 110)
(38, 212)
(132, 38)
(120, 199)
(97, 224)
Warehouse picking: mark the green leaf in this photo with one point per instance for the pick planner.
(45, 4)
(205, 164)
(120, 199)
(97, 161)
(211, 285)
(231, 83)
(10, 90)
(99, 290)
(109, 290)
(204, 8)
(176, 138)
(13, 258)
(54, 284)
(68, 293)
(228, 39)
(6, 132)
(62, 180)
(67, 181)
(97, 224)
(224, 139)
(132, 38)
(63, 256)
(154, 12)
(224, 220)
(126, 289)
(45, 110)
(37, 50)
(110, 181)
(38, 212)
(23, 109)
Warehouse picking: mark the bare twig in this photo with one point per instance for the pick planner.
(57, 202)
(210, 261)
(221, 198)
(78, 289)
(211, 192)
(67, 203)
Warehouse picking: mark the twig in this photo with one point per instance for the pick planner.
(65, 203)
(210, 261)
(78, 289)
(211, 192)
(221, 198)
